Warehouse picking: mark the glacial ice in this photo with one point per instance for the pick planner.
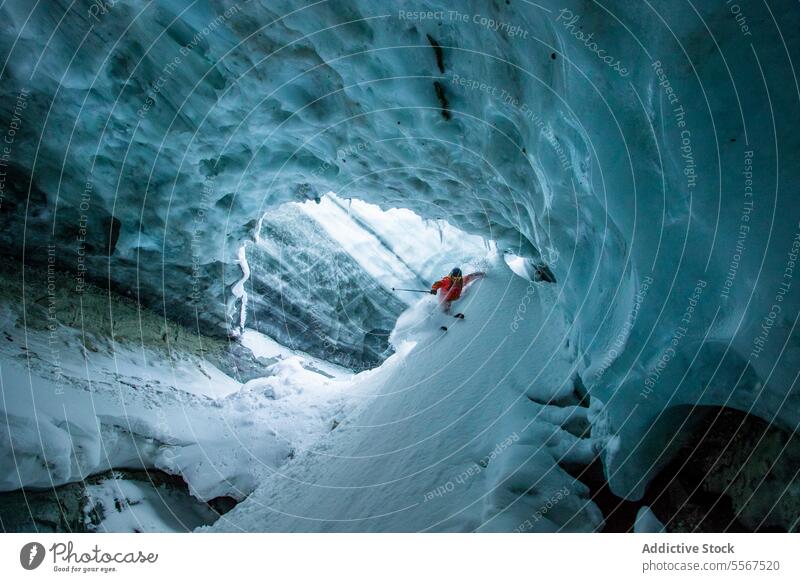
(658, 197)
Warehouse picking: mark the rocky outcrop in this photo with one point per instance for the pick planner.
(71, 508)
(309, 294)
(732, 472)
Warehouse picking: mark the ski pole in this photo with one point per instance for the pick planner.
(412, 290)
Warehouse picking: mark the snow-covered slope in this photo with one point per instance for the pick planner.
(473, 428)
(75, 402)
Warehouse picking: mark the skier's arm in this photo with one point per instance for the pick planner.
(435, 287)
(473, 276)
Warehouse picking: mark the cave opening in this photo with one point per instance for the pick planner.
(121, 500)
(330, 276)
(728, 471)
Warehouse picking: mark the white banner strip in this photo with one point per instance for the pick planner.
(401, 557)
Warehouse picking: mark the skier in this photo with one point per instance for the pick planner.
(450, 286)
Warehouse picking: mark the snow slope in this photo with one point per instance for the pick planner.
(457, 435)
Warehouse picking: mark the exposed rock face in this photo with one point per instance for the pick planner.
(93, 382)
(58, 510)
(308, 293)
(106, 320)
(75, 508)
(731, 472)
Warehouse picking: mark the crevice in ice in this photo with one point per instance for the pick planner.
(438, 52)
(442, 97)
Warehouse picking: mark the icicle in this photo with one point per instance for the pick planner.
(259, 224)
(238, 288)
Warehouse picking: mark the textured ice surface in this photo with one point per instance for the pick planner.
(647, 522)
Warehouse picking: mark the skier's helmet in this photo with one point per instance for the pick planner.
(455, 272)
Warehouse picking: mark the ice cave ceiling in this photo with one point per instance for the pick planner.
(153, 139)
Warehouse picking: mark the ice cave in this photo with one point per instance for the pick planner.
(221, 221)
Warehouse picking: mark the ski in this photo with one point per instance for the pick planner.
(457, 316)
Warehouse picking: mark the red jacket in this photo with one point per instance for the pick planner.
(450, 288)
